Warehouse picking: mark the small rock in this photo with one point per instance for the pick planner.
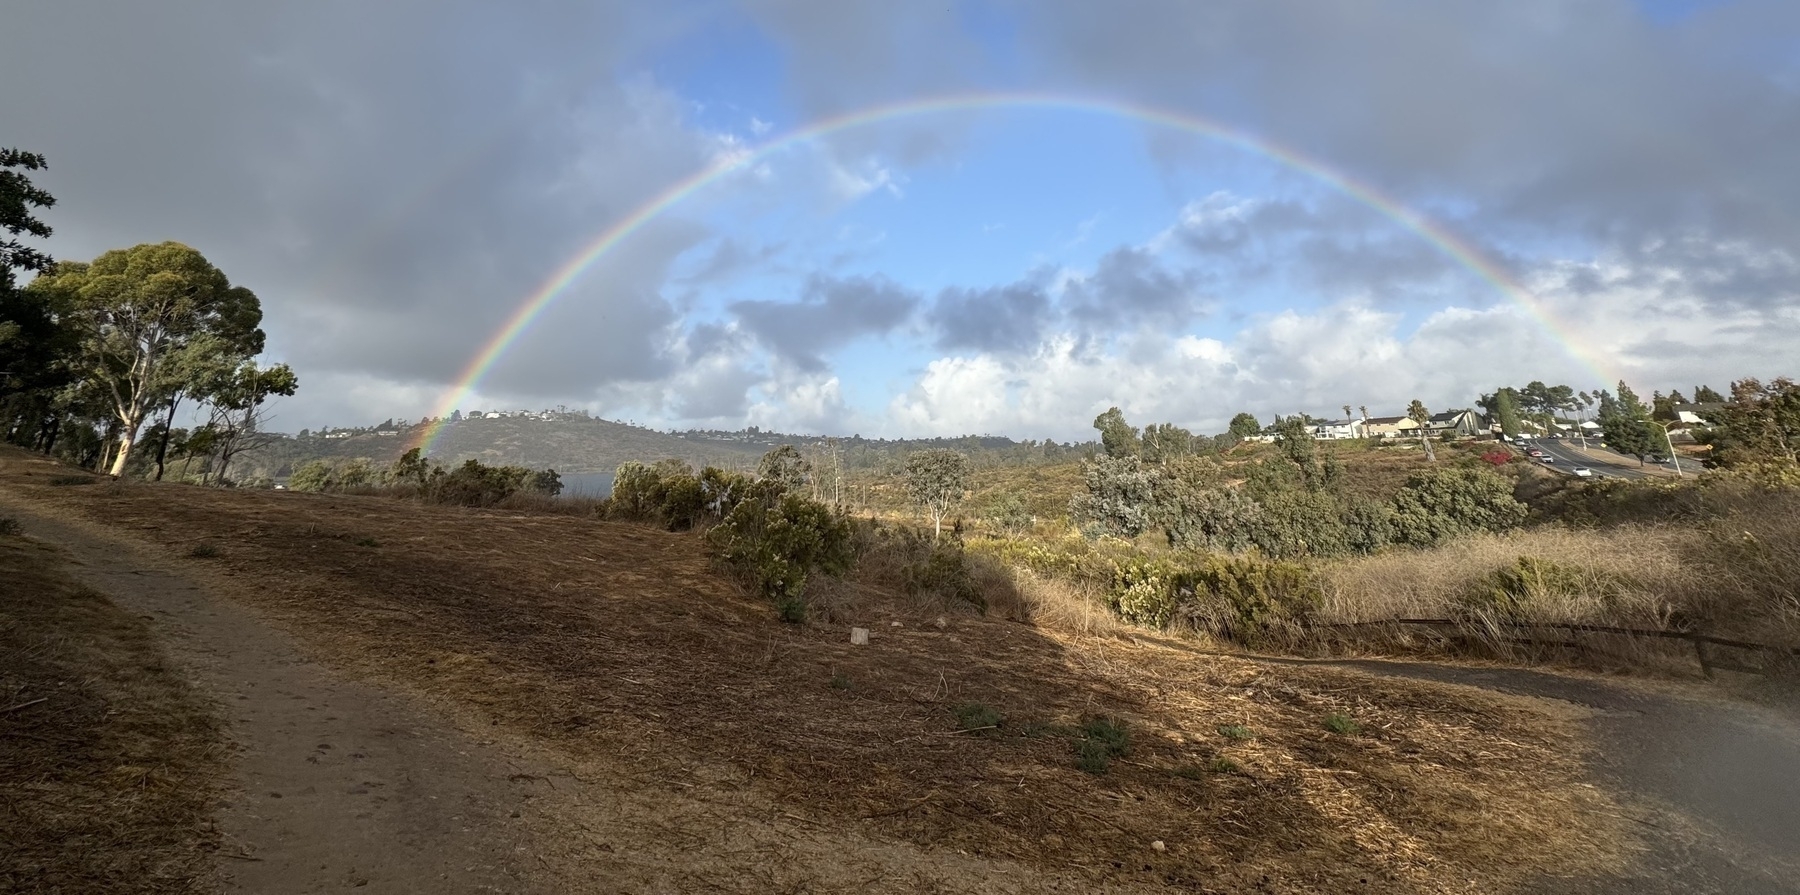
(942, 622)
(1159, 846)
(859, 636)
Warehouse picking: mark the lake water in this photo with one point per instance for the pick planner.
(587, 484)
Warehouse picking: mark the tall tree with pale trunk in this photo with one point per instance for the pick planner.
(138, 308)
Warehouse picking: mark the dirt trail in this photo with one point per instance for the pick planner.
(340, 785)
(343, 785)
(1715, 781)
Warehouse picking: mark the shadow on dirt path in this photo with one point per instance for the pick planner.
(1714, 780)
(339, 785)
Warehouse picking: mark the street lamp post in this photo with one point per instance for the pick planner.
(1670, 441)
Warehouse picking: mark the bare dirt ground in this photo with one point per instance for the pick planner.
(561, 704)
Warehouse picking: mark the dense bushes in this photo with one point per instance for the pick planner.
(473, 484)
(1244, 598)
(775, 540)
(1445, 503)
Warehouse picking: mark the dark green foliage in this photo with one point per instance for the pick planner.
(1442, 504)
(775, 540)
(936, 480)
(1009, 515)
(977, 718)
(1119, 438)
(475, 484)
(1120, 498)
(1223, 765)
(1342, 724)
(1625, 424)
(1236, 732)
(1760, 426)
(411, 467)
(667, 493)
(840, 682)
(1244, 425)
(1102, 740)
(785, 468)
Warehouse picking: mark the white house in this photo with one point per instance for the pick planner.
(1330, 430)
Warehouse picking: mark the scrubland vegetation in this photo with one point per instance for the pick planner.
(1294, 545)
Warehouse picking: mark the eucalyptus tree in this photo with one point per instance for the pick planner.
(136, 311)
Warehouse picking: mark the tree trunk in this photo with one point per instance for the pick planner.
(128, 432)
(162, 447)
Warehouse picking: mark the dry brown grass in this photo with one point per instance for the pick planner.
(623, 649)
(108, 761)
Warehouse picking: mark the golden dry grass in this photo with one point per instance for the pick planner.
(622, 648)
(109, 762)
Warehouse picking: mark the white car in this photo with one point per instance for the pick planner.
(1583, 471)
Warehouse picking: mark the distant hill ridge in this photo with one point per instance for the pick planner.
(575, 443)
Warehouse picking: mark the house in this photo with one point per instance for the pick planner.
(338, 434)
(1455, 423)
(1697, 414)
(387, 432)
(492, 415)
(1389, 426)
(1332, 430)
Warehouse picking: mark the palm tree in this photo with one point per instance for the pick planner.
(1420, 415)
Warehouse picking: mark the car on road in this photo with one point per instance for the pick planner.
(1535, 452)
(1583, 471)
(1546, 459)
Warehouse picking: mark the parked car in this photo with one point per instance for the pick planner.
(1536, 453)
(1584, 472)
(1546, 459)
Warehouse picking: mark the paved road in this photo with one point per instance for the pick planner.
(1714, 781)
(1568, 457)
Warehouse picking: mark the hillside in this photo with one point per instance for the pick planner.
(685, 714)
(568, 444)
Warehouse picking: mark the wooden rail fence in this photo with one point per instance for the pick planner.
(1709, 660)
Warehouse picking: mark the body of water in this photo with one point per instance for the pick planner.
(587, 484)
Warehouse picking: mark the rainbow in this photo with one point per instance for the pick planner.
(571, 270)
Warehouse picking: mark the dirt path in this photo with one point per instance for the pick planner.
(340, 786)
(1714, 781)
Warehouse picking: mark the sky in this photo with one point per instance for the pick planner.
(1368, 203)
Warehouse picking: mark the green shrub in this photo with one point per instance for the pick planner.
(1510, 592)
(775, 540)
(1342, 724)
(1102, 740)
(668, 493)
(475, 484)
(1009, 515)
(976, 718)
(1442, 504)
(311, 476)
(1236, 732)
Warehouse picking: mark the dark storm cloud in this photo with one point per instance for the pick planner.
(392, 179)
(1013, 317)
(1578, 118)
(1131, 288)
(831, 313)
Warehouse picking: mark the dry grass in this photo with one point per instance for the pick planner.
(622, 648)
(1629, 570)
(108, 760)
